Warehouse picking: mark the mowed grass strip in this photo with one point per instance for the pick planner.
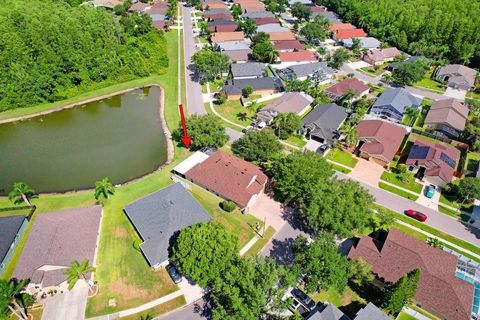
(397, 191)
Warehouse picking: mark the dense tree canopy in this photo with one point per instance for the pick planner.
(210, 64)
(206, 131)
(435, 28)
(51, 50)
(409, 73)
(258, 146)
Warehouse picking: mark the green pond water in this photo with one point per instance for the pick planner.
(120, 138)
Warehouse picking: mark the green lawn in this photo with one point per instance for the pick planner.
(420, 120)
(338, 168)
(405, 316)
(473, 161)
(235, 112)
(348, 301)
(372, 71)
(396, 180)
(297, 140)
(453, 213)
(474, 95)
(430, 84)
(342, 157)
(257, 247)
(158, 310)
(397, 191)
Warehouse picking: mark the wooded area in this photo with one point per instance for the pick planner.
(50, 51)
(435, 28)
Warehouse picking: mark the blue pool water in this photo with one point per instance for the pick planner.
(476, 293)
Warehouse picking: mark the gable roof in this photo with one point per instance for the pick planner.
(278, 36)
(342, 87)
(262, 21)
(349, 33)
(438, 159)
(219, 16)
(230, 177)
(272, 27)
(387, 138)
(56, 239)
(438, 289)
(334, 27)
(138, 7)
(255, 15)
(238, 55)
(9, 228)
(332, 17)
(397, 98)
(450, 111)
(300, 56)
(158, 216)
(306, 69)
(249, 69)
(379, 55)
(222, 23)
(371, 312)
(216, 11)
(235, 45)
(227, 36)
(288, 45)
(235, 86)
(367, 43)
(324, 121)
(290, 102)
(330, 312)
(254, 6)
(458, 74)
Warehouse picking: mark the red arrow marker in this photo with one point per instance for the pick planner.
(185, 138)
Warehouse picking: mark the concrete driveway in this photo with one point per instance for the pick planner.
(367, 171)
(272, 211)
(191, 291)
(68, 305)
(455, 93)
(358, 65)
(427, 202)
(312, 145)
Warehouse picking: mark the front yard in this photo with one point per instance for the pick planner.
(235, 112)
(342, 157)
(430, 84)
(396, 179)
(397, 191)
(374, 71)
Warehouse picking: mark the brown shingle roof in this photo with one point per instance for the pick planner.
(339, 89)
(56, 239)
(438, 288)
(230, 177)
(262, 21)
(288, 45)
(449, 111)
(382, 138)
(379, 55)
(290, 102)
(227, 36)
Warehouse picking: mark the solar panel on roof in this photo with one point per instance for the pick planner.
(445, 158)
(419, 152)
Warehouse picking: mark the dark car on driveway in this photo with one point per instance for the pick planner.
(304, 298)
(174, 274)
(417, 215)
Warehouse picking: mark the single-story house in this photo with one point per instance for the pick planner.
(339, 89)
(205, 4)
(371, 312)
(296, 102)
(323, 123)
(394, 65)
(393, 102)
(252, 6)
(272, 27)
(365, 43)
(378, 57)
(234, 45)
(218, 16)
(457, 76)
(247, 70)
(334, 27)
(435, 162)
(331, 17)
(139, 7)
(262, 86)
(159, 217)
(379, 140)
(439, 291)
(315, 8)
(57, 239)
(447, 117)
(290, 58)
(238, 56)
(348, 34)
(328, 312)
(262, 21)
(256, 15)
(219, 37)
(305, 2)
(215, 11)
(288, 45)
(215, 5)
(230, 178)
(222, 26)
(306, 70)
(11, 230)
(281, 36)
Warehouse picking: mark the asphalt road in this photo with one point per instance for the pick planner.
(192, 86)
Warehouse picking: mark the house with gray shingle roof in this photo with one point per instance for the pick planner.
(447, 117)
(329, 312)
(158, 217)
(272, 27)
(371, 312)
(247, 70)
(332, 17)
(11, 230)
(365, 43)
(262, 86)
(457, 76)
(256, 15)
(393, 103)
(306, 70)
(234, 45)
(323, 122)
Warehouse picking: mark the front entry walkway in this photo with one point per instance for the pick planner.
(367, 172)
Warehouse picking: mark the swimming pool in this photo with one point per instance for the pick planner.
(476, 293)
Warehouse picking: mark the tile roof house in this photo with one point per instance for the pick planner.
(272, 27)
(55, 240)
(248, 70)
(296, 102)
(439, 291)
(281, 36)
(365, 43)
(334, 27)
(222, 26)
(230, 178)
(262, 86)
(219, 37)
(239, 56)
(323, 122)
(457, 76)
(306, 70)
(378, 57)
(447, 117)
(158, 217)
(288, 45)
(437, 162)
(379, 140)
(11, 230)
(393, 102)
(253, 6)
(262, 21)
(348, 34)
(371, 312)
(296, 57)
(338, 90)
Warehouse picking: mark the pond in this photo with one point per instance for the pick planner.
(120, 137)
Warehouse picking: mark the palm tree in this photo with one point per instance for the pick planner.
(76, 271)
(280, 122)
(387, 77)
(434, 242)
(104, 188)
(347, 98)
(351, 134)
(21, 192)
(10, 291)
(252, 107)
(272, 55)
(412, 113)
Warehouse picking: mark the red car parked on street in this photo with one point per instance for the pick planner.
(417, 215)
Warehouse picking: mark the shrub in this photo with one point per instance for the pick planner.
(247, 90)
(228, 206)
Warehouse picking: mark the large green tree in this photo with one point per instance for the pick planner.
(321, 263)
(51, 51)
(339, 57)
(210, 64)
(286, 123)
(259, 146)
(469, 188)
(264, 51)
(301, 11)
(203, 251)
(402, 292)
(409, 73)
(77, 271)
(10, 296)
(313, 32)
(21, 192)
(206, 131)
